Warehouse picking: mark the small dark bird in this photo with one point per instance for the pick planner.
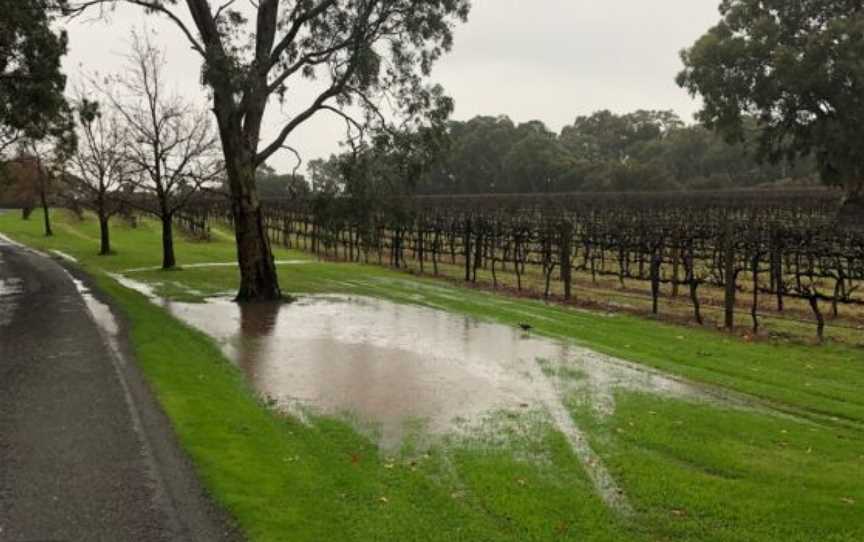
(525, 327)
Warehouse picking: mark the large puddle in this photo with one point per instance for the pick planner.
(393, 369)
(392, 366)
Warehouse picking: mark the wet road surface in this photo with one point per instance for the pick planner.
(85, 452)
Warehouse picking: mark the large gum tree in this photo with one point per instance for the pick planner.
(358, 54)
(795, 68)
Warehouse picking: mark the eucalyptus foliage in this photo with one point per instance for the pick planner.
(796, 67)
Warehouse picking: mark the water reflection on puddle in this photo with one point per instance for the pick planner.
(388, 364)
(392, 366)
(382, 362)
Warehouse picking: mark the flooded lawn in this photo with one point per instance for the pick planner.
(388, 364)
(391, 368)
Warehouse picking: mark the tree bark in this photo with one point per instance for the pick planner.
(729, 276)
(104, 235)
(258, 278)
(754, 308)
(694, 297)
(676, 263)
(168, 259)
(46, 214)
(820, 319)
(656, 262)
(239, 138)
(467, 244)
(566, 265)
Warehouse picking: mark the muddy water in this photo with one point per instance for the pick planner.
(396, 367)
(382, 363)
(392, 365)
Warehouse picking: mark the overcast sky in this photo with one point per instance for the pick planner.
(550, 60)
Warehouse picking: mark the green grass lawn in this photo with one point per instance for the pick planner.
(691, 472)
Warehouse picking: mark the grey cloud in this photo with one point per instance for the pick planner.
(546, 59)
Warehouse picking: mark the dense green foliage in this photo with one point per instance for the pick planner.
(639, 151)
(274, 185)
(31, 82)
(796, 68)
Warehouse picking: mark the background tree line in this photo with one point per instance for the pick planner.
(639, 151)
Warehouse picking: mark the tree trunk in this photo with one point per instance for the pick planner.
(729, 277)
(258, 278)
(820, 320)
(104, 236)
(676, 264)
(46, 214)
(168, 260)
(694, 297)
(754, 308)
(467, 244)
(656, 262)
(239, 133)
(566, 265)
(777, 274)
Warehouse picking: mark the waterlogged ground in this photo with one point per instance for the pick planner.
(391, 365)
(400, 371)
(506, 435)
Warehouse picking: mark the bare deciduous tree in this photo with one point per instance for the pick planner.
(171, 149)
(98, 167)
(44, 150)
